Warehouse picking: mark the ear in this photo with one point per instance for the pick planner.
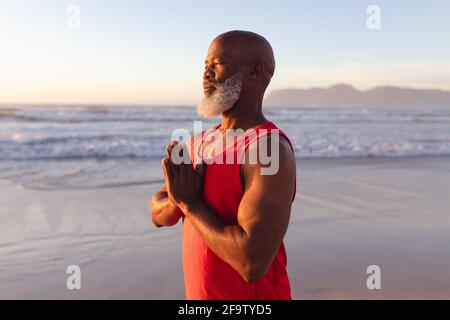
(256, 69)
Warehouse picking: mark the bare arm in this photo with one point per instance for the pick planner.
(263, 216)
(164, 212)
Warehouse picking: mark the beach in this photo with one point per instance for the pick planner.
(348, 214)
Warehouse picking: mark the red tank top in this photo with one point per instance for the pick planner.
(208, 277)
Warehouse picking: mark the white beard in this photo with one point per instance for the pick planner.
(223, 98)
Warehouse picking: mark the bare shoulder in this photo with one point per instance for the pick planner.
(275, 168)
(269, 184)
(270, 151)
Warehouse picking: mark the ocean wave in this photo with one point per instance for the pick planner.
(116, 147)
(359, 149)
(86, 114)
(92, 118)
(83, 148)
(62, 133)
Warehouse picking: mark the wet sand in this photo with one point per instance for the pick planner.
(348, 214)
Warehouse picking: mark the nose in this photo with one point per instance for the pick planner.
(208, 74)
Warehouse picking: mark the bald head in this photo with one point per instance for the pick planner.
(244, 49)
(250, 47)
(238, 69)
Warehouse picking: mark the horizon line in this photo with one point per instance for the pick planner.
(113, 104)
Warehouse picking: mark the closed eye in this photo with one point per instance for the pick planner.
(214, 64)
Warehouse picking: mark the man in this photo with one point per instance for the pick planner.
(234, 217)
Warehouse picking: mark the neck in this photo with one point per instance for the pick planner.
(245, 114)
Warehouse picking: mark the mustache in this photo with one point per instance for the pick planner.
(221, 84)
(209, 83)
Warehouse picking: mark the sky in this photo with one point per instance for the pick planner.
(153, 52)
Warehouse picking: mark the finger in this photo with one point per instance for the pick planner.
(177, 153)
(183, 150)
(184, 168)
(174, 169)
(200, 169)
(189, 172)
(167, 169)
(170, 147)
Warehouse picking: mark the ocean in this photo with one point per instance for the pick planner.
(54, 147)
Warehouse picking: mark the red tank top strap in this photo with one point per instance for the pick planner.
(265, 129)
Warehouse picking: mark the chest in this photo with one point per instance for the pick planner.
(218, 144)
(223, 181)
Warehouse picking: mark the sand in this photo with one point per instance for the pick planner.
(348, 214)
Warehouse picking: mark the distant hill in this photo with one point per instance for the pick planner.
(343, 95)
